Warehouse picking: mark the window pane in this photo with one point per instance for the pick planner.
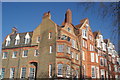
(60, 66)
(5, 55)
(50, 49)
(23, 72)
(68, 50)
(12, 72)
(93, 71)
(25, 53)
(14, 54)
(50, 35)
(36, 53)
(32, 73)
(60, 48)
(50, 70)
(3, 73)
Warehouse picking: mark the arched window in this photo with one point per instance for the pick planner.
(60, 70)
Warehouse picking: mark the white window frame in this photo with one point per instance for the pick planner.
(50, 35)
(17, 41)
(68, 49)
(101, 61)
(73, 43)
(98, 43)
(77, 58)
(102, 73)
(51, 49)
(38, 39)
(13, 55)
(93, 72)
(33, 73)
(36, 53)
(27, 40)
(12, 72)
(84, 33)
(23, 55)
(83, 55)
(92, 57)
(72, 54)
(22, 73)
(97, 72)
(60, 75)
(50, 70)
(7, 41)
(2, 73)
(96, 58)
(68, 71)
(4, 55)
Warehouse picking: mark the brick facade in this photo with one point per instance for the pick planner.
(67, 51)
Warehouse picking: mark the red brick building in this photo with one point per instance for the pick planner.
(53, 51)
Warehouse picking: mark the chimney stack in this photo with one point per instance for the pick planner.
(68, 16)
(14, 30)
(47, 15)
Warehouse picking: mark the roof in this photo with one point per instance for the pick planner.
(22, 40)
(96, 33)
(79, 25)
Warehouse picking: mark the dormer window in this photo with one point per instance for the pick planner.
(17, 39)
(101, 38)
(27, 39)
(98, 43)
(104, 46)
(7, 41)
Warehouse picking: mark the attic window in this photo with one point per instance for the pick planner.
(17, 41)
(68, 29)
(7, 41)
(27, 38)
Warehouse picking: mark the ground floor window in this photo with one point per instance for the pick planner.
(93, 71)
(2, 73)
(23, 72)
(12, 72)
(60, 68)
(50, 70)
(32, 73)
(68, 71)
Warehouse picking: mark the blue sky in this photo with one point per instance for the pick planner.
(28, 15)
